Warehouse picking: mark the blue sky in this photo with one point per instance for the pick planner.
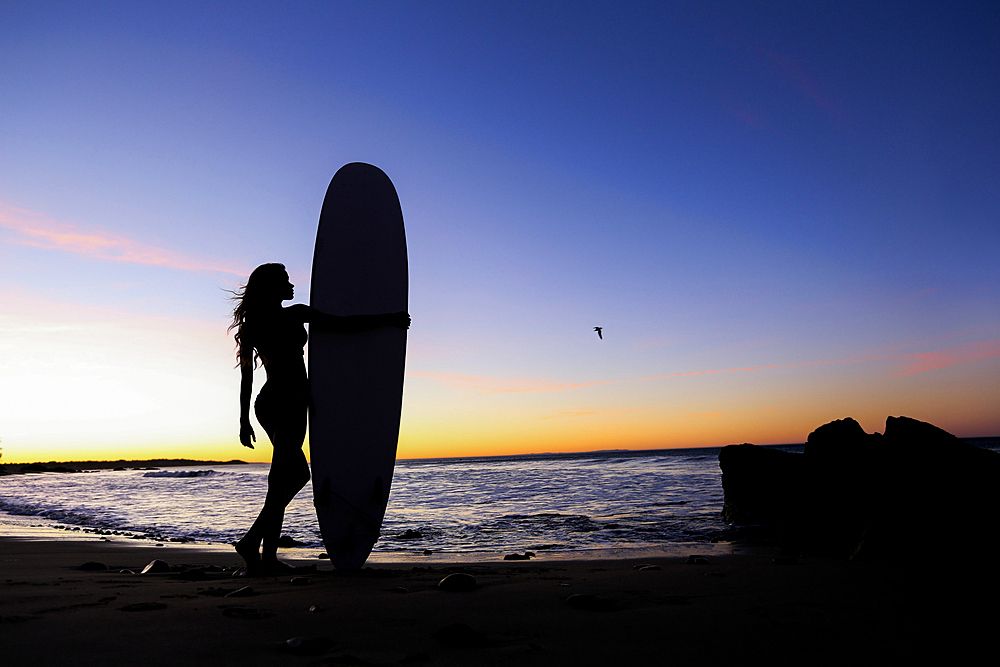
(720, 185)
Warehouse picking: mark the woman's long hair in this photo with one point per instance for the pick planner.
(260, 285)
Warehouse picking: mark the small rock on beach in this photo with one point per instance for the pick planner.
(245, 592)
(155, 567)
(459, 581)
(93, 566)
(307, 645)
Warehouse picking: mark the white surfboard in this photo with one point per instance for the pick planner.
(359, 267)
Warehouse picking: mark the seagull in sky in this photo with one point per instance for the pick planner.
(598, 330)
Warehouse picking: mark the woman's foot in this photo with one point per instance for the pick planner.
(250, 554)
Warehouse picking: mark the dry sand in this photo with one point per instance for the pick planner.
(736, 609)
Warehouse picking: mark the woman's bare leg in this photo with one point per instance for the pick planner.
(289, 473)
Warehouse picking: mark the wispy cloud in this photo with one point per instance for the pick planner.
(917, 362)
(585, 412)
(37, 231)
(965, 354)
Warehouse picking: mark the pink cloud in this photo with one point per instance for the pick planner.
(35, 230)
(965, 354)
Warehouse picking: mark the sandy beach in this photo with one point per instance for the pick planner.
(747, 607)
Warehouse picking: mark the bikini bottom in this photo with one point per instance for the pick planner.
(283, 408)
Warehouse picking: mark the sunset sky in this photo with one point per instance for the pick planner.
(780, 213)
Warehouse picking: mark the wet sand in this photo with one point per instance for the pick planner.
(744, 608)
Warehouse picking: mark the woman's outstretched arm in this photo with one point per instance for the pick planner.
(351, 323)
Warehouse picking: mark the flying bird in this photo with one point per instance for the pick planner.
(598, 330)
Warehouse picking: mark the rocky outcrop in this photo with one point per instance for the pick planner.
(853, 494)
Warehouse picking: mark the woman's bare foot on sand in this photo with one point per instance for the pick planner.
(250, 554)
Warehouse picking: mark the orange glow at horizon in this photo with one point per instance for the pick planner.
(92, 383)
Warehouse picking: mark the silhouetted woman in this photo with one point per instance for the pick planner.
(275, 335)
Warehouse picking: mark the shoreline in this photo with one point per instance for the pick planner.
(746, 607)
(64, 467)
(19, 527)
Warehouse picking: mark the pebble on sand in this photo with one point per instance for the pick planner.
(459, 581)
(93, 566)
(155, 567)
(307, 645)
(245, 592)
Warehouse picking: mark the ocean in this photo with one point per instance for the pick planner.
(541, 503)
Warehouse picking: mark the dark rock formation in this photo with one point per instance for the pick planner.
(410, 534)
(761, 485)
(38, 467)
(853, 494)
